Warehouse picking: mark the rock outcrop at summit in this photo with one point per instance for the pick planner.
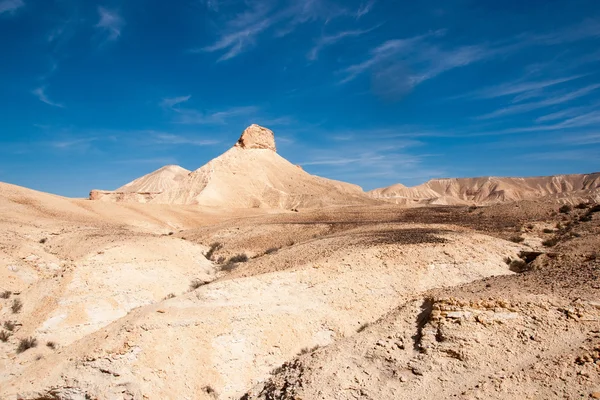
(257, 137)
(249, 175)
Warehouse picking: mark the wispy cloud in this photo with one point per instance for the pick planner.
(518, 88)
(365, 158)
(212, 5)
(402, 64)
(191, 116)
(195, 117)
(397, 66)
(171, 102)
(365, 8)
(279, 121)
(588, 29)
(10, 6)
(110, 22)
(361, 156)
(171, 139)
(565, 155)
(550, 101)
(415, 47)
(242, 31)
(40, 93)
(329, 40)
(157, 161)
(562, 114)
(71, 143)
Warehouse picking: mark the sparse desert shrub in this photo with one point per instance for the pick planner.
(210, 391)
(550, 242)
(307, 350)
(221, 260)
(271, 250)
(518, 266)
(169, 296)
(196, 283)
(26, 344)
(507, 260)
(228, 267)
(233, 262)
(594, 209)
(546, 230)
(565, 209)
(516, 239)
(472, 208)
(291, 243)
(50, 344)
(9, 326)
(170, 234)
(43, 240)
(582, 206)
(16, 306)
(211, 251)
(239, 258)
(585, 218)
(5, 295)
(591, 256)
(363, 327)
(278, 370)
(4, 336)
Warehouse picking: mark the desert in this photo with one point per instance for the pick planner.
(299, 200)
(297, 295)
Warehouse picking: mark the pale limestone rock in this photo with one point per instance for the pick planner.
(257, 137)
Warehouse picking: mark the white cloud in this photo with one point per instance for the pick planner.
(388, 49)
(40, 93)
(170, 139)
(242, 31)
(555, 99)
(71, 143)
(566, 113)
(588, 29)
(173, 101)
(194, 117)
(329, 40)
(111, 22)
(519, 88)
(10, 6)
(365, 8)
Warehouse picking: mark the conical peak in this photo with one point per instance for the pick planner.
(257, 137)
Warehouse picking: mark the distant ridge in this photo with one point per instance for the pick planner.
(490, 190)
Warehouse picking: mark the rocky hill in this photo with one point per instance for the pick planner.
(491, 190)
(249, 175)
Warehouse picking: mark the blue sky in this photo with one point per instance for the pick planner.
(374, 92)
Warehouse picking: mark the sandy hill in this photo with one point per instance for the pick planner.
(249, 175)
(158, 181)
(489, 190)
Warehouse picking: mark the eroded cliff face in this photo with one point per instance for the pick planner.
(127, 197)
(491, 190)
